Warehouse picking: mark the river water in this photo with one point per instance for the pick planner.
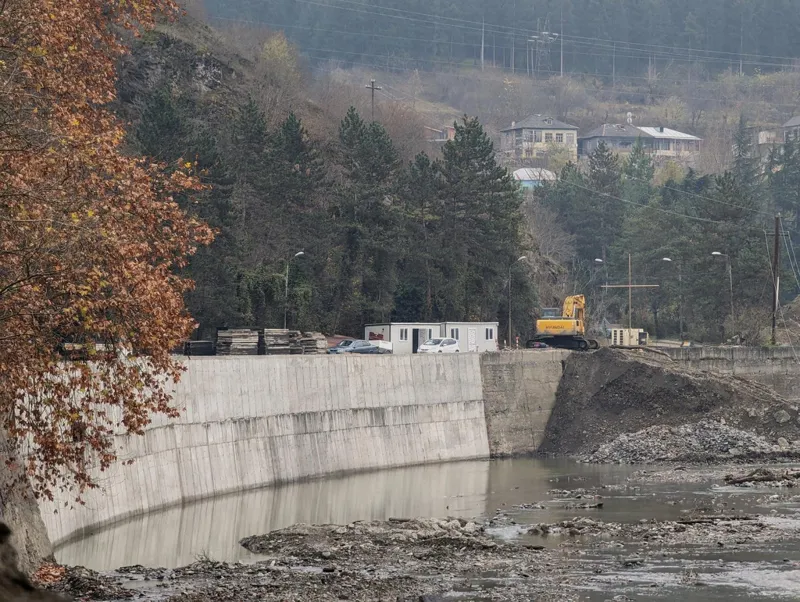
(212, 528)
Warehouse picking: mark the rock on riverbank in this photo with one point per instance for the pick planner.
(704, 441)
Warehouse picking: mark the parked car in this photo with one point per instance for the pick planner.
(341, 347)
(351, 347)
(439, 346)
(369, 349)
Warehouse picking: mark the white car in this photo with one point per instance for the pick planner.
(439, 345)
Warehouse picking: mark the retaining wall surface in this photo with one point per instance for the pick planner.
(776, 367)
(251, 422)
(519, 393)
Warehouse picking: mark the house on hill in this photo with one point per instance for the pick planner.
(791, 129)
(534, 136)
(659, 142)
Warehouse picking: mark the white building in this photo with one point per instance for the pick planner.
(407, 337)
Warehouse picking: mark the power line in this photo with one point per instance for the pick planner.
(705, 198)
(659, 209)
(477, 26)
(682, 53)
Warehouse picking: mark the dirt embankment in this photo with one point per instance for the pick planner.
(612, 393)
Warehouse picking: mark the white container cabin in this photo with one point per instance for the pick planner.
(406, 337)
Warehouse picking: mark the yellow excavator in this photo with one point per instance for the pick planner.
(564, 328)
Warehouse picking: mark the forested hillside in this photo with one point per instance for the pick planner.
(385, 234)
(705, 241)
(392, 233)
(600, 36)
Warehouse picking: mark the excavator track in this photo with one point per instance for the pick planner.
(572, 343)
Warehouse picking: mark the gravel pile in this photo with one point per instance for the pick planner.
(702, 441)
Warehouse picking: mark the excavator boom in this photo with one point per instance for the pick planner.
(567, 331)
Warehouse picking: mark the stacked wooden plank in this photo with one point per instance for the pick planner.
(237, 341)
(314, 343)
(278, 341)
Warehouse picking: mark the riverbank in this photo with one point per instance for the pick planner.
(580, 532)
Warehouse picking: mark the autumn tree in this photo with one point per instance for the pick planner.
(92, 241)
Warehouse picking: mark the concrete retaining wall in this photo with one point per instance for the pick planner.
(776, 367)
(519, 393)
(250, 422)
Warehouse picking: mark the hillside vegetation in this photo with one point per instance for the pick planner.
(386, 233)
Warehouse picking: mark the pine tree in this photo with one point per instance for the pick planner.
(603, 211)
(481, 226)
(421, 244)
(746, 165)
(369, 222)
(638, 171)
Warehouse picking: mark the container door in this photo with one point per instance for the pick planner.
(415, 342)
(472, 340)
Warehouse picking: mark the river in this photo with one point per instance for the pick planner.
(212, 528)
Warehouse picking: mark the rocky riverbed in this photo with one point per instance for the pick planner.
(581, 540)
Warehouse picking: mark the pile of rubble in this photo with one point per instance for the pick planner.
(702, 441)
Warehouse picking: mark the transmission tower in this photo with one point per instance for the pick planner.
(542, 41)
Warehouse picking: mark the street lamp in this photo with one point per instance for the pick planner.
(680, 295)
(601, 262)
(286, 293)
(509, 296)
(730, 280)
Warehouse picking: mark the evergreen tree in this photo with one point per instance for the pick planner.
(638, 171)
(369, 225)
(746, 165)
(480, 229)
(421, 247)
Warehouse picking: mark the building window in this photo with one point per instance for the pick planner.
(404, 334)
(490, 334)
(430, 333)
(537, 136)
(548, 137)
(454, 333)
(560, 138)
(528, 135)
(570, 138)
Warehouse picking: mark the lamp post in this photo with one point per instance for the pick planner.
(509, 296)
(601, 264)
(730, 280)
(286, 293)
(680, 295)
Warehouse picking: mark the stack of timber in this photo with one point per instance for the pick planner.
(314, 342)
(276, 341)
(237, 341)
(281, 342)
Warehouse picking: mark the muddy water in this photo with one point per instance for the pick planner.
(212, 528)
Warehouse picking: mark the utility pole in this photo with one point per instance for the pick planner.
(614, 67)
(630, 286)
(483, 42)
(776, 277)
(513, 41)
(630, 293)
(373, 87)
(562, 40)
